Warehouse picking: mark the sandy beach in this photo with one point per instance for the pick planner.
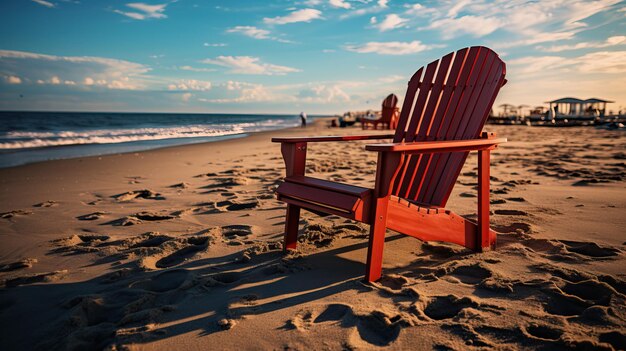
(181, 248)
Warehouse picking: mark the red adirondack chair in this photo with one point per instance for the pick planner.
(444, 110)
(389, 115)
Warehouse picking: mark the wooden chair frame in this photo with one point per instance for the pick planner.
(445, 107)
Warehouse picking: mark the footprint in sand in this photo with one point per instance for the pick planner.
(516, 227)
(152, 240)
(21, 264)
(35, 278)
(236, 231)
(590, 249)
(194, 245)
(516, 199)
(375, 328)
(614, 338)
(511, 213)
(14, 213)
(92, 216)
(471, 274)
(228, 182)
(542, 332)
(48, 203)
(143, 194)
(139, 217)
(445, 307)
(163, 282)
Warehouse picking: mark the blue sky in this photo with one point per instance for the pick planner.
(320, 56)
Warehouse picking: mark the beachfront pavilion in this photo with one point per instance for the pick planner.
(570, 106)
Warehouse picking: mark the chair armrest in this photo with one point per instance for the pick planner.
(426, 147)
(331, 138)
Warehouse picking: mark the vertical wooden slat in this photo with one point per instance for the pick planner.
(446, 101)
(407, 108)
(424, 90)
(407, 105)
(438, 163)
(433, 100)
(425, 124)
(477, 97)
(442, 109)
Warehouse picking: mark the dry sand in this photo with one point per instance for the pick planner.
(180, 248)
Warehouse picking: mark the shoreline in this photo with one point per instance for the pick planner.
(138, 144)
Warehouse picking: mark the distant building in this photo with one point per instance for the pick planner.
(576, 108)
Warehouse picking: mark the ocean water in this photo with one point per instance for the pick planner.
(27, 137)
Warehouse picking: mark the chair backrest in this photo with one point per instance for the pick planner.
(449, 99)
(389, 107)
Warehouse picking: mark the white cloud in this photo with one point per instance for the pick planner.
(611, 41)
(323, 93)
(528, 22)
(190, 84)
(44, 3)
(214, 44)
(250, 31)
(537, 39)
(391, 47)
(595, 62)
(249, 65)
(391, 21)
(186, 96)
(383, 3)
(340, 4)
(457, 7)
(419, 10)
(196, 69)
(536, 64)
(245, 93)
(475, 25)
(603, 62)
(13, 79)
(145, 11)
(392, 78)
(67, 70)
(256, 33)
(304, 15)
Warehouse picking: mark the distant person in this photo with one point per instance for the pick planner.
(303, 119)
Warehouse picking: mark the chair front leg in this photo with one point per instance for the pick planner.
(378, 227)
(294, 155)
(292, 219)
(387, 168)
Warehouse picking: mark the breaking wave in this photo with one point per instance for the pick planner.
(38, 139)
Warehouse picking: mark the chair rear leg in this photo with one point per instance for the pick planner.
(291, 227)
